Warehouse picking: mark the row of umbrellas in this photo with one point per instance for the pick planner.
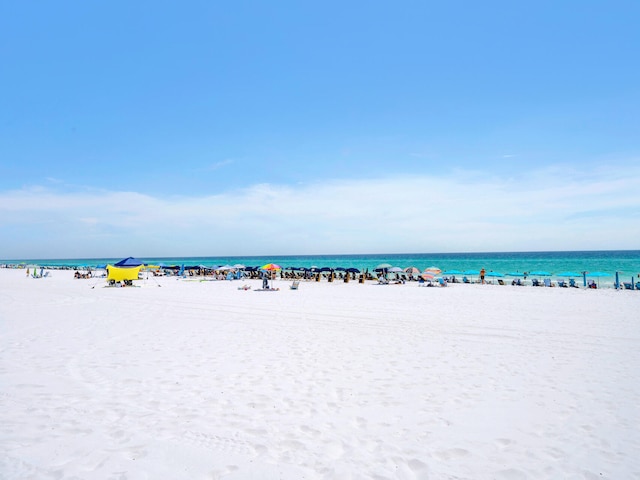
(429, 272)
(384, 268)
(536, 273)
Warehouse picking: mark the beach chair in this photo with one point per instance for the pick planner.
(562, 283)
(572, 283)
(442, 282)
(465, 280)
(535, 282)
(547, 282)
(295, 285)
(500, 281)
(592, 284)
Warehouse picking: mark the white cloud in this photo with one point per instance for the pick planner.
(548, 209)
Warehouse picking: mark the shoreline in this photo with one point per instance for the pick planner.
(582, 280)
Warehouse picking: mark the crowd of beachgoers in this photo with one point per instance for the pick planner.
(382, 274)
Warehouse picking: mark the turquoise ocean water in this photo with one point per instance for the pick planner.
(626, 262)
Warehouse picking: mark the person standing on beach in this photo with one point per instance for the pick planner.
(482, 272)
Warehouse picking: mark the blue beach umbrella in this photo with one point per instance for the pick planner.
(471, 273)
(494, 274)
(515, 274)
(452, 272)
(568, 274)
(540, 273)
(598, 275)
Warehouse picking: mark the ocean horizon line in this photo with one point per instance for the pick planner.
(329, 255)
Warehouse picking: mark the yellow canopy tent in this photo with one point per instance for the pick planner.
(119, 274)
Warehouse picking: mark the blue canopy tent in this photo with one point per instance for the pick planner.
(128, 262)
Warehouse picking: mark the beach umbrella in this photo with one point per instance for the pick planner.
(471, 272)
(352, 270)
(239, 266)
(271, 267)
(540, 273)
(598, 275)
(434, 270)
(515, 274)
(494, 274)
(383, 268)
(428, 276)
(412, 272)
(395, 270)
(452, 272)
(567, 274)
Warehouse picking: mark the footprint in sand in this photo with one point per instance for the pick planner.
(511, 474)
(451, 454)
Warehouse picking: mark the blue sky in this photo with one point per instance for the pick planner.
(240, 128)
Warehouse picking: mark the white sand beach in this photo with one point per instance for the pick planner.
(199, 380)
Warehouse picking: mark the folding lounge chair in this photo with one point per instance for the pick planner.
(535, 282)
(295, 285)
